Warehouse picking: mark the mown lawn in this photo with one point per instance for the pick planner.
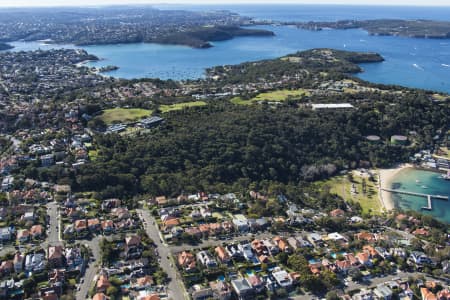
(178, 106)
(369, 200)
(273, 96)
(123, 115)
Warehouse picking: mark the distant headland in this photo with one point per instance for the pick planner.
(393, 27)
(4, 46)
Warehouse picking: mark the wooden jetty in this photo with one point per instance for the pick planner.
(428, 196)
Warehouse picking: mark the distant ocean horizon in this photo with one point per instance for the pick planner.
(322, 12)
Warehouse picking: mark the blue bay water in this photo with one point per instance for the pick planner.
(421, 63)
(424, 182)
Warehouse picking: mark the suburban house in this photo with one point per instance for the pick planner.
(282, 277)
(206, 259)
(242, 288)
(186, 260)
(55, 256)
(102, 284)
(222, 255)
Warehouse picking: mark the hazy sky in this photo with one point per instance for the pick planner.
(4, 3)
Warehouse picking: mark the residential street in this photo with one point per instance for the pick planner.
(176, 288)
(92, 268)
(54, 236)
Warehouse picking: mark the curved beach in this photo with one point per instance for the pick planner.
(386, 177)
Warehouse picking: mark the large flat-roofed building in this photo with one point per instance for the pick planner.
(151, 122)
(332, 106)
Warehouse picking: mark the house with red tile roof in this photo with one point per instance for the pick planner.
(282, 244)
(427, 294)
(107, 226)
(100, 296)
(222, 254)
(93, 224)
(102, 284)
(80, 225)
(337, 213)
(161, 200)
(170, 222)
(23, 235)
(36, 231)
(421, 231)
(366, 236)
(55, 256)
(6, 267)
(443, 294)
(186, 260)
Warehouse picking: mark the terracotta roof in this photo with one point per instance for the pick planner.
(80, 224)
(133, 240)
(93, 222)
(203, 228)
(107, 224)
(363, 257)
(151, 297)
(371, 250)
(23, 233)
(254, 280)
(146, 280)
(337, 213)
(221, 253)
(55, 252)
(427, 294)
(171, 222)
(444, 294)
(103, 282)
(420, 231)
(366, 236)
(186, 260)
(100, 296)
(263, 258)
(161, 200)
(36, 230)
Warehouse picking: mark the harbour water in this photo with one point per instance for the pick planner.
(424, 182)
(420, 63)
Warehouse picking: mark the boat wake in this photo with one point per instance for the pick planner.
(417, 67)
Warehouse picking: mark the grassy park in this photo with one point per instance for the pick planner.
(123, 115)
(179, 106)
(273, 96)
(342, 186)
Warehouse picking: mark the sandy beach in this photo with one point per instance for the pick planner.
(385, 178)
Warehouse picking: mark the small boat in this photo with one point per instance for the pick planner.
(446, 176)
(424, 187)
(417, 181)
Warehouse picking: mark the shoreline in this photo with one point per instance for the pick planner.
(385, 178)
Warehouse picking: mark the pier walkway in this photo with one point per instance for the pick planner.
(428, 196)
